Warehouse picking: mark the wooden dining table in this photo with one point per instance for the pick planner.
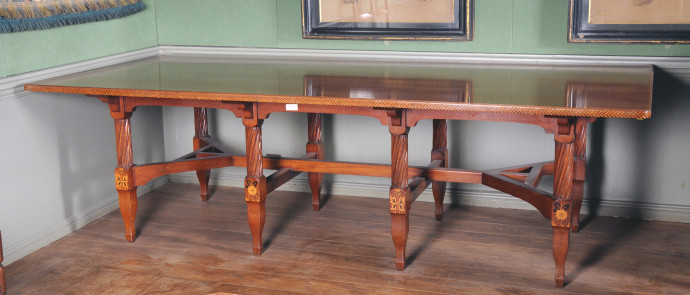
(560, 98)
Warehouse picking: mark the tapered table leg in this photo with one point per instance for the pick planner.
(562, 207)
(580, 155)
(126, 191)
(315, 145)
(3, 286)
(200, 140)
(439, 152)
(399, 195)
(255, 184)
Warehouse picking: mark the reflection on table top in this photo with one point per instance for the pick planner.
(560, 90)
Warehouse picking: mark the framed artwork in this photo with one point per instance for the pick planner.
(388, 19)
(629, 21)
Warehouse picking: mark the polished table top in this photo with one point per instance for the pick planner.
(554, 90)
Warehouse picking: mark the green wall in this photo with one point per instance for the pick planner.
(3, 58)
(501, 26)
(34, 50)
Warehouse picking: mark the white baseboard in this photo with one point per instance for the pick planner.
(424, 57)
(53, 233)
(482, 198)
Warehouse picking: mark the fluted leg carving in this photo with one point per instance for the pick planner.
(562, 207)
(315, 145)
(201, 140)
(255, 184)
(439, 152)
(126, 191)
(399, 196)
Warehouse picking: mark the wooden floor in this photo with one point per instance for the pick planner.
(187, 246)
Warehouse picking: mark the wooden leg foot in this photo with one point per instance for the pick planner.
(203, 176)
(400, 227)
(256, 215)
(128, 209)
(561, 241)
(315, 180)
(439, 190)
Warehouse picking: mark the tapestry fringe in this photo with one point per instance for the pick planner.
(28, 24)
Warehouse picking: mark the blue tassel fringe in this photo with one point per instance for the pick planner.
(19, 25)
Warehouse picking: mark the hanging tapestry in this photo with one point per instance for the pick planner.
(26, 15)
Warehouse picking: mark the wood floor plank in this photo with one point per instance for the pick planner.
(480, 263)
(187, 246)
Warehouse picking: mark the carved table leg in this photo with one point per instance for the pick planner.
(439, 152)
(580, 154)
(399, 195)
(255, 183)
(315, 145)
(124, 180)
(200, 140)
(3, 287)
(563, 183)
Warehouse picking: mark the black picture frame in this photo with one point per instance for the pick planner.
(459, 30)
(580, 30)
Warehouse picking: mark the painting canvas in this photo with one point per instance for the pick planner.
(387, 19)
